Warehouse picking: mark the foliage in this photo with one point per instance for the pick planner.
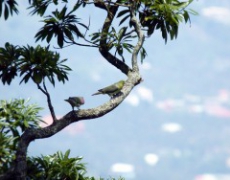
(62, 25)
(56, 166)
(7, 151)
(15, 117)
(164, 15)
(31, 63)
(37, 63)
(9, 7)
(120, 41)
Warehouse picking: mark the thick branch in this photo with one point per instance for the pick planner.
(111, 12)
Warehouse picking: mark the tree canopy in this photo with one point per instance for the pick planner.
(126, 25)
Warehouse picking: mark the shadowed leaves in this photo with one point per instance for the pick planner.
(62, 25)
(36, 63)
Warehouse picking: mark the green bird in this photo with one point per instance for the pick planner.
(111, 90)
(76, 101)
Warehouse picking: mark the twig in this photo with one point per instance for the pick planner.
(45, 91)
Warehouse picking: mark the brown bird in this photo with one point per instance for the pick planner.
(76, 101)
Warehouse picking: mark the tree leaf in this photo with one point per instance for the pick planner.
(124, 19)
(6, 12)
(121, 13)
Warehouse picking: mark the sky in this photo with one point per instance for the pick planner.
(199, 59)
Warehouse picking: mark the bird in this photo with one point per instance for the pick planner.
(111, 90)
(76, 101)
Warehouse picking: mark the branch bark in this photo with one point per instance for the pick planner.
(111, 12)
(140, 35)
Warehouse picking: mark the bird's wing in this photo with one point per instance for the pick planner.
(109, 89)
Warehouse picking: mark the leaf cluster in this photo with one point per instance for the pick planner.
(120, 41)
(7, 151)
(31, 63)
(15, 117)
(56, 166)
(164, 15)
(8, 7)
(65, 26)
(62, 25)
(40, 6)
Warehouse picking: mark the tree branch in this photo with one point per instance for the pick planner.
(111, 12)
(72, 42)
(100, 4)
(45, 91)
(140, 35)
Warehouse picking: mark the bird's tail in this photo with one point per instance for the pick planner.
(96, 93)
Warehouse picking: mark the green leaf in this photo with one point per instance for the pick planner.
(58, 24)
(164, 33)
(26, 124)
(10, 6)
(186, 17)
(121, 33)
(75, 30)
(124, 19)
(121, 13)
(39, 63)
(60, 39)
(57, 166)
(37, 77)
(164, 15)
(49, 37)
(95, 36)
(19, 115)
(76, 6)
(120, 50)
(6, 12)
(143, 54)
(39, 7)
(191, 11)
(1, 8)
(128, 47)
(182, 5)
